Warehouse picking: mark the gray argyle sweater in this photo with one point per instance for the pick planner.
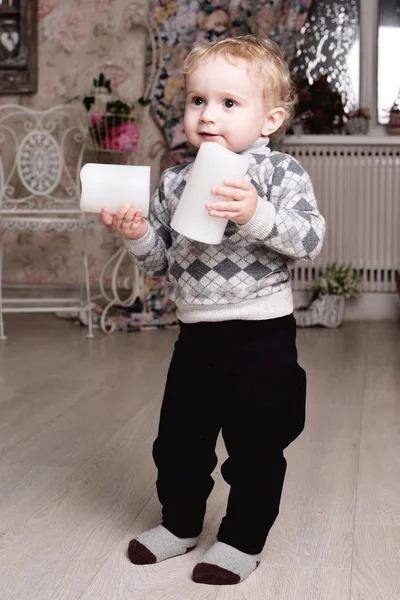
(247, 275)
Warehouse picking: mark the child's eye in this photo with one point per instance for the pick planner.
(197, 101)
(229, 103)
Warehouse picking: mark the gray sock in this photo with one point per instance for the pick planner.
(158, 544)
(225, 565)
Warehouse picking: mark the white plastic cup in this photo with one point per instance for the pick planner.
(212, 166)
(111, 186)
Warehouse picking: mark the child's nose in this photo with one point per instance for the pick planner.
(208, 115)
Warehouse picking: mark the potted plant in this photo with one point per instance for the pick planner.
(358, 121)
(394, 118)
(113, 122)
(330, 291)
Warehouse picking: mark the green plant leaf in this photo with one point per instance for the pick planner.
(88, 101)
(144, 101)
(118, 107)
(338, 280)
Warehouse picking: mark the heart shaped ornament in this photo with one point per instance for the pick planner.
(9, 40)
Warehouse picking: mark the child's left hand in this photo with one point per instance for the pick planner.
(243, 202)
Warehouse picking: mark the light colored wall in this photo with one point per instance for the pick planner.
(74, 36)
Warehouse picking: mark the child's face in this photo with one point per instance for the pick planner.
(225, 105)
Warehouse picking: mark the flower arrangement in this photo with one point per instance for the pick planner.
(337, 280)
(362, 113)
(320, 107)
(327, 306)
(113, 122)
(358, 121)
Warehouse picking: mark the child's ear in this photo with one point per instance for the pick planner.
(273, 121)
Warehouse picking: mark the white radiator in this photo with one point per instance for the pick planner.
(358, 191)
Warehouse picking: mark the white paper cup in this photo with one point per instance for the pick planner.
(212, 166)
(111, 186)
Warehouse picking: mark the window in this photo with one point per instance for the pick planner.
(330, 45)
(388, 53)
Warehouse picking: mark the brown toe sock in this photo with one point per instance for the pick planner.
(225, 565)
(139, 554)
(214, 575)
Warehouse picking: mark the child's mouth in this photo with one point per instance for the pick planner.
(209, 135)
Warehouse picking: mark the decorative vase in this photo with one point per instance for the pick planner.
(357, 126)
(326, 310)
(394, 122)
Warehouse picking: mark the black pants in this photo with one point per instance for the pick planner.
(241, 377)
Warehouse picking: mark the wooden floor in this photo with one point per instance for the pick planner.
(77, 421)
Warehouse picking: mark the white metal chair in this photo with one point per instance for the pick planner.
(135, 16)
(40, 160)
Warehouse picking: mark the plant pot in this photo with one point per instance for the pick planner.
(357, 125)
(393, 127)
(326, 310)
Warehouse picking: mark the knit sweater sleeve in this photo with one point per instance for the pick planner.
(150, 251)
(287, 219)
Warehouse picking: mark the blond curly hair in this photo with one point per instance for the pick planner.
(267, 66)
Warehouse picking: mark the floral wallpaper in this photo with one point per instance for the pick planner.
(75, 40)
(74, 37)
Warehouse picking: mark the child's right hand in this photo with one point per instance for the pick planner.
(128, 221)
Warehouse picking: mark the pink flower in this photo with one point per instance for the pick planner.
(45, 8)
(52, 88)
(96, 118)
(123, 138)
(103, 5)
(117, 77)
(69, 26)
(33, 276)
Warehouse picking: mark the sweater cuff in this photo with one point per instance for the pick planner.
(143, 245)
(262, 222)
